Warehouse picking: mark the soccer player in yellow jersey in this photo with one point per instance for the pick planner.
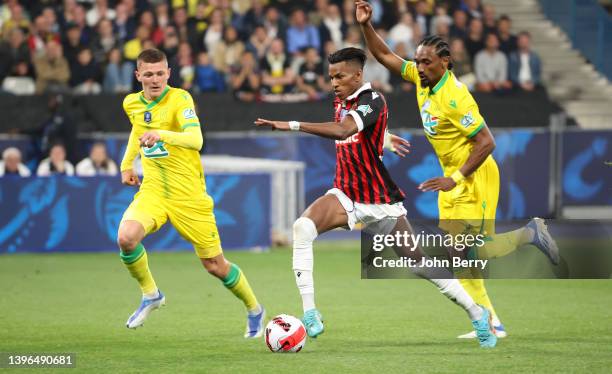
(166, 133)
(469, 189)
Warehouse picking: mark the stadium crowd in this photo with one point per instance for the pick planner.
(258, 49)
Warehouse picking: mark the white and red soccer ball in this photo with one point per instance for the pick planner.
(285, 333)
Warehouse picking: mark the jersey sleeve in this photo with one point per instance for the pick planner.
(369, 107)
(410, 72)
(185, 114)
(466, 116)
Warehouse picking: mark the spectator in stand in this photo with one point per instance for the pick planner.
(196, 28)
(20, 81)
(473, 8)
(275, 24)
(422, 17)
(119, 74)
(443, 31)
(162, 14)
(353, 38)
(405, 31)
(318, 11)
(207, 78)
(310, 79)
(99, 11)
(133, 47)
(332, 27)
(98, 163)
(72, 43)
(474, 43)
(66, 13)
(52, 70)
(396, 81)
(277, 77)
(459, 28)
(13, 51)
(245, 78)
(148, 20)
(17, 20)
(51, 19)
(348, 12)
(56, 163)
(186, 68)
(254, 17)
(441, 16)
(462, 65)
(11, 164)
(228, 52)
(507, 40)
(179, 20)
(214, 32)
(376, 74)
(301, 34)
(488, 19)
(125, 25)
(40, 33)
(491, 67)
(171, 42)
(86, 75)
(525, 66)
(80, 20)
(104, 41)
(259, 42)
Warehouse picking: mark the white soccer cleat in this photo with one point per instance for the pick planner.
(500, 332)
(146, 306)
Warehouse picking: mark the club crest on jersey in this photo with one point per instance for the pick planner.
(189, 113)
(364, 109)
(467, 120)
(147, 117)
(429, 121)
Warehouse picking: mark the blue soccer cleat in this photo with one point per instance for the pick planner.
(313, 321)
(543, 240)
(254, 326)
(146, 306)
(484, 332)
(500, 332)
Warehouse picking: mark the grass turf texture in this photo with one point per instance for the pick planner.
(80, 302)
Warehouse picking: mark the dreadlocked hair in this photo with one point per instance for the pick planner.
(440, 46)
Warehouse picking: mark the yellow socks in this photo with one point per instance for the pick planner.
(499, 245)
(237, 282)
(476, 289)
(138, 265)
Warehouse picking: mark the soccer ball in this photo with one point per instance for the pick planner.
(285, 333)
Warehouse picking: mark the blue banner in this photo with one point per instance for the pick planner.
(66, 214)
(587, 168)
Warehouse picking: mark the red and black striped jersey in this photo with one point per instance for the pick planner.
(360, 172)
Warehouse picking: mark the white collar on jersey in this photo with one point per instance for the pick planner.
(366, 86)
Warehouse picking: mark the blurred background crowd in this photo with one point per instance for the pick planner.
(272, 50)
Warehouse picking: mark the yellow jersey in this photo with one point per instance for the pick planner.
(170, 171)
(450, 116)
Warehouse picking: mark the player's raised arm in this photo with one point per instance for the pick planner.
(376, 45)
(331, 130)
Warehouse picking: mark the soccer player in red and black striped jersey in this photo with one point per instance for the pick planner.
(363, 191)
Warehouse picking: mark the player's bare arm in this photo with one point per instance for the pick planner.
(330, 130)
(376, 45)
(484, 144)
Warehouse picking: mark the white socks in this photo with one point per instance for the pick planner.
(452, 289)
(304, 233)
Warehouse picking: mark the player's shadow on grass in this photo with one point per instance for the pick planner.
(407, 343)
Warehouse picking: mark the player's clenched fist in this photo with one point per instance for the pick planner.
(130, 178)
(149, 138)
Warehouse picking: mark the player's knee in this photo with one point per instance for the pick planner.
(304, 230)
(127, 242)
(216, 267)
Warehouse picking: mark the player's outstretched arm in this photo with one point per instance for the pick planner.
(190, 138)
(376, 45)
(330, 130)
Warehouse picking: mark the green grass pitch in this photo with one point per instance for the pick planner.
(80, 302)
